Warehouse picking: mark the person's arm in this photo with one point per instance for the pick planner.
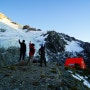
(30, 44)
(19, 41)
(39, 51)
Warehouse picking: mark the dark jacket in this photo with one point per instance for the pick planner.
(42, 51)
(22, 46)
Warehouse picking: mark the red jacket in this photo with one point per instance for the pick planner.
(31, 49)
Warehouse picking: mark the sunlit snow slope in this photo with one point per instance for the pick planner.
(9, 22)
(11, 36)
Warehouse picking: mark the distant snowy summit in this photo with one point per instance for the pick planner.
(2, 16)
(4, 19)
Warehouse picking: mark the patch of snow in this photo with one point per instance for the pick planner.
(73, 46)
(85, 82)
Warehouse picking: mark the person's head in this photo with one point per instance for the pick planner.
(33, 44)
(41, 45)
(23, 41)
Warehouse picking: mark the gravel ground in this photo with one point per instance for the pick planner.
(34, 77)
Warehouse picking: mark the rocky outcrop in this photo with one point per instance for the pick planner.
(54, 42)
(9, 56)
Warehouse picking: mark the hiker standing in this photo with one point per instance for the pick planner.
(42, 55)
(31, 52)
(22, 50)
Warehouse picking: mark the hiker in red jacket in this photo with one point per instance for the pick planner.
(31, 52)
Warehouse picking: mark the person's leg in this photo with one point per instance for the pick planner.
(28, 59)
(23, 56)
(20, 57)
(45, 61)
(40, 62)
(31, 59)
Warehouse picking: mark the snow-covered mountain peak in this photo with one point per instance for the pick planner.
(2, 16)
(4, 19)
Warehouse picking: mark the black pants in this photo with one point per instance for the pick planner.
(42, 59)
(22, 56)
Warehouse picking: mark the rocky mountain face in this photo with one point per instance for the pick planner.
(55, 47)
(55, 44)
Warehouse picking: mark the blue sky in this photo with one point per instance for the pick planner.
(71, 17)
